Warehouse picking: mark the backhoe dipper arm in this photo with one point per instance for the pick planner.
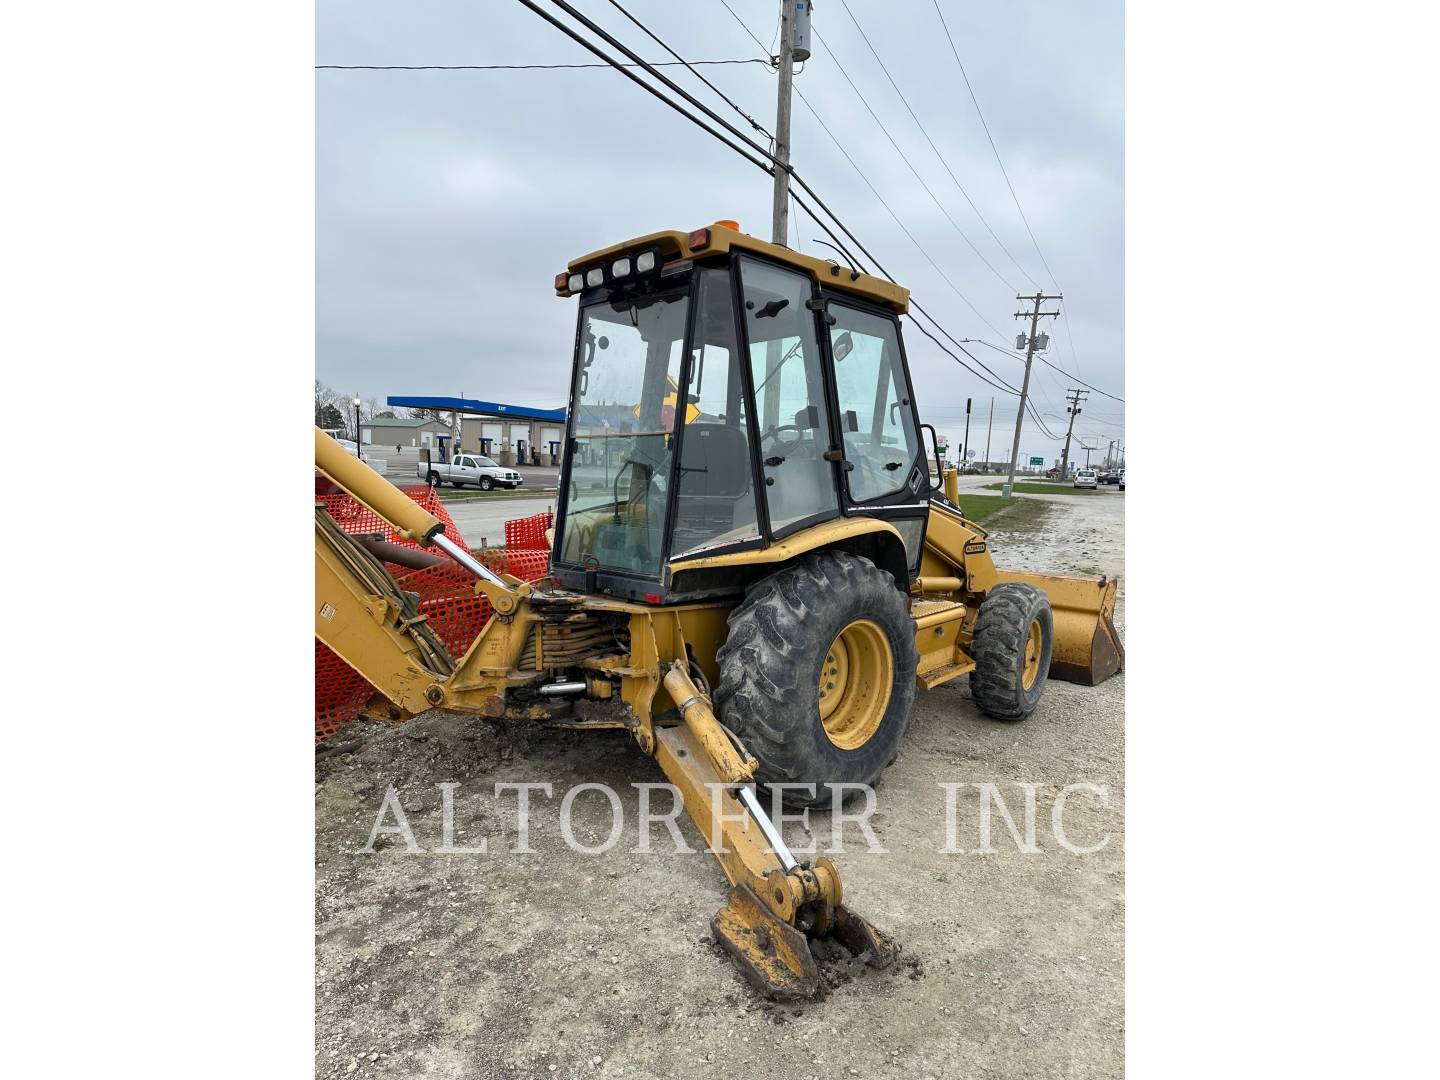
(775, 902)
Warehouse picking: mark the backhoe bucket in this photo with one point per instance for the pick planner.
(777, 959)
(1086, 647)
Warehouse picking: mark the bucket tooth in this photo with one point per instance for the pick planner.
(860, 936)
(774, 956)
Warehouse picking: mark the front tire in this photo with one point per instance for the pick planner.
(1014, 634)
(486, 483)
(817, 674)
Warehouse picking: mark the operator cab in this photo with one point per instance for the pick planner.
(728, 393)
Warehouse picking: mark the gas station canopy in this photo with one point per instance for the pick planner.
(478, 408)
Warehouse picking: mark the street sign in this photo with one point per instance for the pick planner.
(1037, 461)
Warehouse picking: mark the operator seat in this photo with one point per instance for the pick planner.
(714, 476)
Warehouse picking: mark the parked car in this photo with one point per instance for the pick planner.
(469, 469)
(1110, 478)
(1086, 478)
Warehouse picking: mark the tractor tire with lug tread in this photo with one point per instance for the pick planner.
(1014, 634)
(817, 674)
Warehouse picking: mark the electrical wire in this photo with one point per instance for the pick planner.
(522, 67)
(731, 143)
(769, 50)
(996, 150)
(1010, 353)
(1081, 381)
(993, 235)
(725, 97)
(941, 345)
(908, 163)
(889, 210)
(1069, 334)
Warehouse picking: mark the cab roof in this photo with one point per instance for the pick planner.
(720, 238)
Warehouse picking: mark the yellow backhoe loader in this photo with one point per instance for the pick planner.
(751, 571)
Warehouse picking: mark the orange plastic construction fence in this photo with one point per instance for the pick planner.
(447, 595)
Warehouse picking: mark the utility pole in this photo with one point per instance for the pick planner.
(780, 215)
(1074, 397)
(965, 446)
(989, 423)
(1034, 317)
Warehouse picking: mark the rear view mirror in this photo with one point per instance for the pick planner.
(842, 346)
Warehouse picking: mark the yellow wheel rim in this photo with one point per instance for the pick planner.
(855, 683)
(1033, 647)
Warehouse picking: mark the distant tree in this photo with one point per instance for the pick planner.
(328, 413)
(331, 418)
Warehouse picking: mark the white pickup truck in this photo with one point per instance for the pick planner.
(469, 469)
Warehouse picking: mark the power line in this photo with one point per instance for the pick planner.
(1047, 363)
(737, 135)
(769, 50)
(998, 386)
(903, 157)
(1069, 334)
(996, 150)
(888, 209)
(933, 147)
(1082, 382)
(725, 97)
(1030, 409)
(840, 146)
(521, 67)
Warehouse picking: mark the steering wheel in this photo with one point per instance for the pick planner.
(772, 436)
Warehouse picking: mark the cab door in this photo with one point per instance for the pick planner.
(791, 408)
(884, 473)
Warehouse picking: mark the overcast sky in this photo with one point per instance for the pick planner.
(447, 201)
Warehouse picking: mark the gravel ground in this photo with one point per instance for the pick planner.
(563, 964)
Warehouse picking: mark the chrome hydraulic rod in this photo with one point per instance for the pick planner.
(772, 834)
(465, 559)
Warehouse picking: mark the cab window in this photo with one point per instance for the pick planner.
(790, 407)
(715, 495)
(877, 419)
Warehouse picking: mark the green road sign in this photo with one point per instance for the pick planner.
(1037, 461)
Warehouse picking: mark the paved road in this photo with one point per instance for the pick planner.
(482, 521)
(401, 468)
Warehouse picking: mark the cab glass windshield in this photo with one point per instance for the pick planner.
(623, 425)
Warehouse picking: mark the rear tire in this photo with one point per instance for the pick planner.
(433, 479)
(830, 615)
(1014, 635)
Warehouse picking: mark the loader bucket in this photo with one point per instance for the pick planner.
(1086, 647)
(777, 959)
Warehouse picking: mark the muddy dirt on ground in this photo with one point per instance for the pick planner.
(565, 964)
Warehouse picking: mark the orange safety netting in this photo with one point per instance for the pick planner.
(447, 596)
(529, 532)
